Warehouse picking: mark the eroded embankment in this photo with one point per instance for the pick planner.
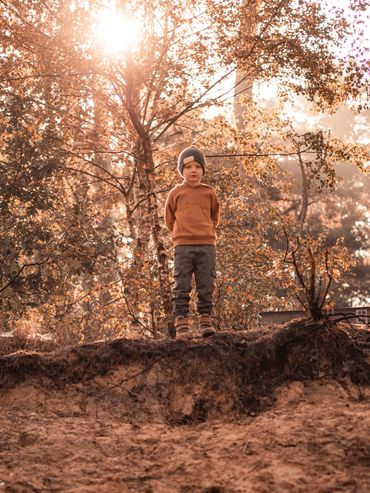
(187, 382)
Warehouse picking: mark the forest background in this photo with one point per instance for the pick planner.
(91, 128)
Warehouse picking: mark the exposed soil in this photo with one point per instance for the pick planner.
(259, 411)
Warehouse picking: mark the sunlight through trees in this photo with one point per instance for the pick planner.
(97, 100)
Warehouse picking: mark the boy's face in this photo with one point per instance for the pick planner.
(192, 173)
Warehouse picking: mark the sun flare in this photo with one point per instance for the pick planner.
(115, 32)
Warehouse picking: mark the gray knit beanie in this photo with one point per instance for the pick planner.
(191, 154)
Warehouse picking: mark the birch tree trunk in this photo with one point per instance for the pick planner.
(244, 78)
(145, 171)
(302, 215)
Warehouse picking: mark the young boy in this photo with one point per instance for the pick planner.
(192, 213)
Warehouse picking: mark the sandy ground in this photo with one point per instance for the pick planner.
(316, 438)
(95, 436)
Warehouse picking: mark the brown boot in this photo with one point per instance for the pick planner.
(182, 327)
(206, 325)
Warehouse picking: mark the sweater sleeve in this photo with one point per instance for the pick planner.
(215, 210)
(169, 211)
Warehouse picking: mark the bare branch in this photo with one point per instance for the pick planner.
(349, 316)
(96, 165)
(256, 154)
(99, 178)
(190, 106)
(25, 266)
(311, 290)
(146, 198)
(40, 76)
(329, 276)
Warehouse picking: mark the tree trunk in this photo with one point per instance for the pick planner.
(145, 170)
(304, 196)
(244, 80)
(162, 257)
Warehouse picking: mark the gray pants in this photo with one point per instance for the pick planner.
(199, 260)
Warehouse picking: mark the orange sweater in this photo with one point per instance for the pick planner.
(192, 214)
